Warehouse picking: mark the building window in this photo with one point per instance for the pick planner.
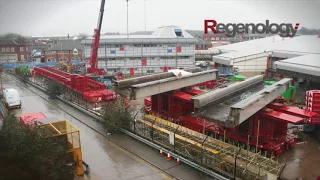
(21, 49)
(22, 58)
(178, 32)
(8, 49)
(150, 71)
(3, 49)
(12, 49)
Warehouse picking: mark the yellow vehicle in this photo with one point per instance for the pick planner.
(65, 67)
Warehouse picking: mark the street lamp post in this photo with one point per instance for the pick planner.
(1, 82)
(127, 18)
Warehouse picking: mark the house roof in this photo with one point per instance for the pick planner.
(278, 46)
(303, 52)
(303, 43)
(306, 64)
(65, 45)
(164, 34)
(8, 42)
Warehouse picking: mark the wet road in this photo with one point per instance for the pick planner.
(107, 160)
(303, 161)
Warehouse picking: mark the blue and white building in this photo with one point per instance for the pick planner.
(167, 47)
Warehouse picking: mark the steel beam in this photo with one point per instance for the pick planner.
(121, 84)
(244, 109)
(216, 95)
(299, 75)
(164, 85)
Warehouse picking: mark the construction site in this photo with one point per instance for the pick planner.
(222, 121)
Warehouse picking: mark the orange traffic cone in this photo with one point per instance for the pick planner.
(161, 153)
(178, 160)
(168, 157)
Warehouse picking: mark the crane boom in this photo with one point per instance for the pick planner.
(95, 45)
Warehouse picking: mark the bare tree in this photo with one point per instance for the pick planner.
(83, 36)
(17, 37)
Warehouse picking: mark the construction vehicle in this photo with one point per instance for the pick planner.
(244, 113)
(91, 90)
(87, 85)
(25, 70)
(65, 67)
(93, 69)
(64, 131)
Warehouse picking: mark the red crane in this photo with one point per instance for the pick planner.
(93, 69)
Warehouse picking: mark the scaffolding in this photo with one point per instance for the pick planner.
(121, 56)
(70, 136)
(219, 156)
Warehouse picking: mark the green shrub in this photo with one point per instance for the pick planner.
(117, 116)
(54, 89)
(24, 154)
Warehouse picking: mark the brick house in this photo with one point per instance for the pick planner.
(203, 44)
(13, 51)
(64, 50)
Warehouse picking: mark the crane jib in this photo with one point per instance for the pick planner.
(95, 44)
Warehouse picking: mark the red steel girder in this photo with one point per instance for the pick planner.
(281, 116)
(295, 111)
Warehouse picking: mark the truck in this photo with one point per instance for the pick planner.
(11, 98)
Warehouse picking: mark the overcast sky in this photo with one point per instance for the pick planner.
(60, 17)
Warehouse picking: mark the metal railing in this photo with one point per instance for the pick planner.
(204, 153)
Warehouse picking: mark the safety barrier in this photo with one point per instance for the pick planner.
(29, 64)
(37, 64)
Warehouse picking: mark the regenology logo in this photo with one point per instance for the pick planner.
(231, 29)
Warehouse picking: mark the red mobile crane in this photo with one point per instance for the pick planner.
(93, 69)
(90, 86)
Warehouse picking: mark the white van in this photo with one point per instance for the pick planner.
(11, 98)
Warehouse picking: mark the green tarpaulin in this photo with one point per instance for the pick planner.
(238, 78)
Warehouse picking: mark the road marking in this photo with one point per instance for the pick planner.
(141, 161)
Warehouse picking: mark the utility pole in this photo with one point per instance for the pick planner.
(128, 19)
(145, 15)
(1, 81)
